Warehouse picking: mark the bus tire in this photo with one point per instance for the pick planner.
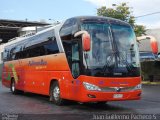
(13, 87)
(55, 94)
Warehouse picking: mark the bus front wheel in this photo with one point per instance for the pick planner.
(55, 94)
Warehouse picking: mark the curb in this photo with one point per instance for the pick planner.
(150, 83)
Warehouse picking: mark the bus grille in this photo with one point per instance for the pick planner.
(117, 89)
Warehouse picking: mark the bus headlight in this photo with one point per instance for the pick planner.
(138, 87)
(89, 86)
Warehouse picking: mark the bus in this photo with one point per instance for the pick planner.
(84, 59)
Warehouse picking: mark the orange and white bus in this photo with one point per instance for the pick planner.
(85, 59)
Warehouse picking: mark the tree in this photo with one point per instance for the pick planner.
(122, 12)
(139, 30)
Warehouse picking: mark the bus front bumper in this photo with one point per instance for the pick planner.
(97, 96)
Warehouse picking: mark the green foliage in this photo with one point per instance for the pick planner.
(122, 12)
(139, 30)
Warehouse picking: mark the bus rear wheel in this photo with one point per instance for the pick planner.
(13, 87)
(55, 94)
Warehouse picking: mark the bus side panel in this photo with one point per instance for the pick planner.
(5, 72)
(35, 74)
(38, 72)
(56, 69)
(10, 70)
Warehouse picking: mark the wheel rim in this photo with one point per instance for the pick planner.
(13, 86)
(56, 93)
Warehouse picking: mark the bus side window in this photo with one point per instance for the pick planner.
(67, 29)
(17, 55)
(4, 56)
(46, 48)
(1, 56)
(51, 47)
(8, 55)
(75, 59)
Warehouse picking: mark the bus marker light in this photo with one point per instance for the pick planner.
(91, 96)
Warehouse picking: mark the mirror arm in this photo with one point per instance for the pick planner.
(80, 33)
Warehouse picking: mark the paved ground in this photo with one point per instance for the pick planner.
(37, 104)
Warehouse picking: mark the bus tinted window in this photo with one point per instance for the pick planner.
(46, 48)
(51, 48)
(4, 55)
(38, 50)
(66, 30)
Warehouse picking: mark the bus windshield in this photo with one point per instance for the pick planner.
(113, 50)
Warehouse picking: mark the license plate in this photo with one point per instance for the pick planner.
(118, 96)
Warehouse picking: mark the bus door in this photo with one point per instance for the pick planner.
(73, 56)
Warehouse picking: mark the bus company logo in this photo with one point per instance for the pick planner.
(118, 89)
(77, 82)
(37, 63)
(101, 82)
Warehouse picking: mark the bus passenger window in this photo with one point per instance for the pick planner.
(51, 48)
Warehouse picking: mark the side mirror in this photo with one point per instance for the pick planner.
(86, 40)
(153, 42)
(154, 46)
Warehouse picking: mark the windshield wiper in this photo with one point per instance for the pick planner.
(108, 67)
(121, 60)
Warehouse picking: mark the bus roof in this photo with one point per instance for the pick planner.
(100, 18)
(28, 39)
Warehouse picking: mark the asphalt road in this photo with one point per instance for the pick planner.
(37, 104)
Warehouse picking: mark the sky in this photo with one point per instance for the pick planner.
(59, 10)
